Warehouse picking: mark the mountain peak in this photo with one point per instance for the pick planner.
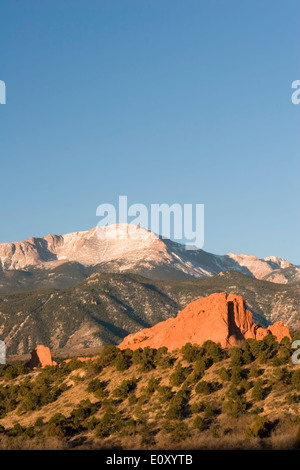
(130, 248)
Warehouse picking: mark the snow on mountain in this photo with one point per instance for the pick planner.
(129, 248)
(278, 263)
(260, 267)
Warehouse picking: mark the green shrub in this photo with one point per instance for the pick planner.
(214, 429)
(284, 353)
(196, 408)
(296, 380)
(165, 362)
(190, 353)
(16, 430)
(65, 367)
(260, 428)
(92, 423)
(29, 403)
(199, 368)
(236, 357)
(127, 386)
(165, 393)
(254, 372)
(63, 388)
(201, 365)
(233, 392)
(247, 356)
(93, 368)
(162, 351)
(97, 387)
(235, 407)
(209, 412)
(163, 359)
(179, 375)
(29, 432)
(199, 423)
(268, 350)
(256, 347)
(132, 399)
(110, 423)
(276, 362)
(236, 375)
(10, 373)
(131, 423)
(174, 412)
(137, 356)
(177, 406)
(292, 398)
(39, 423)
(282, 375)
(83, 411)
(285, 342)
(256, 410)
(258, 392)
(206, 388)
(57, 426)
(122, 362)
(244, 385)
(147, 438)
(224, 374)
(271, 342)
(108, 355)
(264, 357)
(146, 358)
(213, 351)
(152, 385)
(180, 431)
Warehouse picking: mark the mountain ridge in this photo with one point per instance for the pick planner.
(136, 250)
(107, 307)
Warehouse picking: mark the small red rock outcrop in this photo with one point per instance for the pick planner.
(219, 317)
(41, 355)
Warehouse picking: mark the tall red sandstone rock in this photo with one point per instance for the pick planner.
(220, 318)
(41, 355)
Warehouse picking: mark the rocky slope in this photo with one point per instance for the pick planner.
(107, 307)
(218, 317)
(36, 261)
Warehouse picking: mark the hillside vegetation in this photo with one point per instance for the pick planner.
(201, 397)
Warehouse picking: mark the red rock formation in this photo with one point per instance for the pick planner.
(219, 317)
(41, 355)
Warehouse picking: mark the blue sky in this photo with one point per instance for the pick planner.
(162, 101)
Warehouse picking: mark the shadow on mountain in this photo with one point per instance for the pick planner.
(115, 330)
(130, 312)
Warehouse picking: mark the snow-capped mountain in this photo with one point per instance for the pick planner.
(129, 248)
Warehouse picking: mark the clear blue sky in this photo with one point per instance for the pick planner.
(161, 100)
